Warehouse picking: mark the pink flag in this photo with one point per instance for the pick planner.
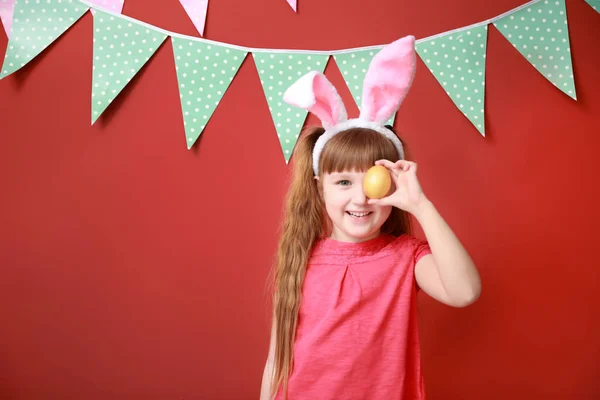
(109, 5)
(6, 14)
(293, 4)
(196, 10)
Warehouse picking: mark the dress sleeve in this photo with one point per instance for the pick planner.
(421, 248)
(417, 248)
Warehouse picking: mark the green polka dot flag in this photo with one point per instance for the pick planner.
(277, 72)
(457, 60)
(204, 72)
(541, 34)
(353, 67)
(121, 48)
(36, 24)
(595, 4)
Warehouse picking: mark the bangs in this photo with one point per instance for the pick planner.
(356, 149)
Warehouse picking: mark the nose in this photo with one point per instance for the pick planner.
(359, 197)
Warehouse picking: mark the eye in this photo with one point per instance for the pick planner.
(343, 182)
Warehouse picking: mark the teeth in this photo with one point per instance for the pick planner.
(358, 214)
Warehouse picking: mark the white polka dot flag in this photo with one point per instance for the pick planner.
(457, 60)
(541, 34)
(538, 29)
(595, 4)
(277, 72)
(35, 26)
(121, 48)
(204, 72)
(6, 14)
(354, 66)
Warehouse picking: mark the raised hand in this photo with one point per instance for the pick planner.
(406, 192)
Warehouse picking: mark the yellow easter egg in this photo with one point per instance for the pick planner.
(377, 182)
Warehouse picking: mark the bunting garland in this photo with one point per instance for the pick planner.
(121, 48)
(205, 69)
(35, 27)
(457, 60)
(204, 72)
(541, 34)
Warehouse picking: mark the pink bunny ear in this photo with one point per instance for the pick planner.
(313, 92)
(388, 80)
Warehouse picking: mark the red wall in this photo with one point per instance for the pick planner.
(134, 268)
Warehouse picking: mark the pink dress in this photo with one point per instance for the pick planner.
(357, 335)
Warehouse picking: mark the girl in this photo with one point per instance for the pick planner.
(348, 270)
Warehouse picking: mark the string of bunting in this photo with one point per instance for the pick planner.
(205, 68)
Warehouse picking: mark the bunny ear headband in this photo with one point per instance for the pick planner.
(386, 84)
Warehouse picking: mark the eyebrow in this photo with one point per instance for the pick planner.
(338, 175)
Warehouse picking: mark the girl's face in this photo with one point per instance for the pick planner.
(353, 219)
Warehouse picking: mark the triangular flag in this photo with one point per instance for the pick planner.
(121, 48)
(196, 10)
(35, 26)
(293, 4)
(6, 14)
(277, 72)
(541, 34)
(595, 4)
(457, 60)
(204, 72)
(354, 66)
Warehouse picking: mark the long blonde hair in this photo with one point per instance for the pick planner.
(305, 222)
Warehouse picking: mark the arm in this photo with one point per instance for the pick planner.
(267, 379)
(448, 274)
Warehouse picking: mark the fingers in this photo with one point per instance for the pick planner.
(386, 163)
(379, 202)
(400, 165)
(407, 165)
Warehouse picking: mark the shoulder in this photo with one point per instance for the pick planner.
(411, 246)
(407, 241)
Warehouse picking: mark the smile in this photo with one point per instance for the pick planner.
(359, 214)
